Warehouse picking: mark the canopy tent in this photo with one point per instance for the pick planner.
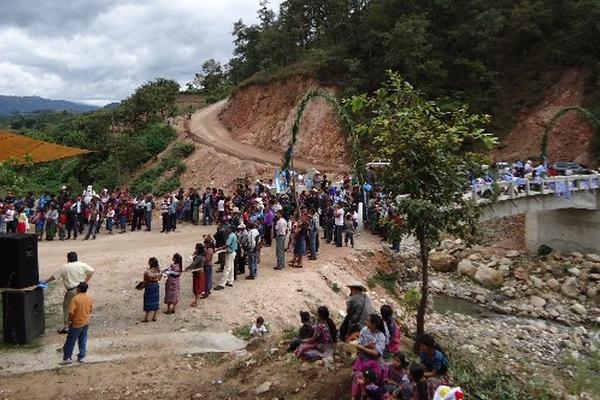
(23, 149)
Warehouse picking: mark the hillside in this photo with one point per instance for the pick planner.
(321, 137)
(29, 104)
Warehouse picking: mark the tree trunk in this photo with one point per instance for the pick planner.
(425, 282)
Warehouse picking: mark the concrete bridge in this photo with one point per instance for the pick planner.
(562, 212)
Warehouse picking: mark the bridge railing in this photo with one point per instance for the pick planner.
(522, 187)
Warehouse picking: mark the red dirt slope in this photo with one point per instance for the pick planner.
(262, 115)
(571, 137)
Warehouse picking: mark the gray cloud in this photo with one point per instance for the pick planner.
(101, 50)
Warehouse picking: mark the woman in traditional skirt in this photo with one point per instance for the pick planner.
(22, 222)
(172, 285)
(198, 273)
(152, 289)
(209, 251)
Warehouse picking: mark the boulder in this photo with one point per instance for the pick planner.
(512, 254)
(537, 301)
(577, 255)
(578, 309)
(264, 388)
(553, 284)
(506, 261)
(475, 257)
(488, 276)
(443, 262)
(466, 267)
(569, 288)
(574, 271)
(593, 258)
(504, 270)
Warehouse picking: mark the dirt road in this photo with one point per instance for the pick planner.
(205, 127)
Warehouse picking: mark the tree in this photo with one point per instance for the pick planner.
(152, 102)
(426, 146)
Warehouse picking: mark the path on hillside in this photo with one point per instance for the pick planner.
(205, 127)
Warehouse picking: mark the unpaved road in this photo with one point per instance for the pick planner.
(120, 260)
(205, 126)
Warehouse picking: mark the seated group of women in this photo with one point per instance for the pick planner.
(380, 370)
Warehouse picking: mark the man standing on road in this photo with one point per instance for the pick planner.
(80, 311)
(281, 228)
(72, 274)
(231, 246)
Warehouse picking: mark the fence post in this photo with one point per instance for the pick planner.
(511, 188)
(527, 187)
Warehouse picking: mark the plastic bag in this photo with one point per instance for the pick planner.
(448, 393)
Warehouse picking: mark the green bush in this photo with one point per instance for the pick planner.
(156, 137)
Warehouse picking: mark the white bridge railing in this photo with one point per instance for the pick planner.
(521, 187)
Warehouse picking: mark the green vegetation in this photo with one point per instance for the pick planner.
(491, 382)
(412, 298)
(428, 147)
(385, 280)
(153, 180)
(586, 371)
(122, 140)
(243, 332)
(496, 56)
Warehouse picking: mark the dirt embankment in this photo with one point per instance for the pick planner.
(263, 115)
(570, 139)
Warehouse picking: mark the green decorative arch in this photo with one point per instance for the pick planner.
(342, 114)
(550, 127)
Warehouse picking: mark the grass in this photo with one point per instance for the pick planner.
(586, 372)
(289, 333)
(386, 281)
(493, 383)
(335, 287)
(243, 332)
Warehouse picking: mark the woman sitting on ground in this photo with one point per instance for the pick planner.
(434, 361)
(392, 332)
(323, 341)
(306, 331)
(152, 289)
(371, 345)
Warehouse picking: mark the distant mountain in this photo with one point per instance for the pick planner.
(27, 104)
(111, 106)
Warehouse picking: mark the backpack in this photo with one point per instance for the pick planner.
(246, 243)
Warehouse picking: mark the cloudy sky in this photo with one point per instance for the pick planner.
(98, 51)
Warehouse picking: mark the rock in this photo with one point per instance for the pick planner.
(521, 274)
(466, 267)
(488, 276)
(504, 270)
(577, 254)
(512, 254)
(537, 302)
(593, 257)
(506, 261)
(443, 262)
(480, 298)
(537, 282)
(574, 271)
(578, 309)
(264, 388)
(553, 284)
(569, 288)
(475, 257)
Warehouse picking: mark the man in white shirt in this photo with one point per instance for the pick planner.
(281, 230)
(339, 224)
(253, 254)
(72, 274)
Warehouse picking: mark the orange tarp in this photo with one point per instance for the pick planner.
(18, 147)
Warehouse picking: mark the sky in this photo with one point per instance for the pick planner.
(99, 51)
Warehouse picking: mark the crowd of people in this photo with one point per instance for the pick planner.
(252, 218)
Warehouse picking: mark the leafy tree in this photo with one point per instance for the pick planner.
(427, 149)
(151, 102)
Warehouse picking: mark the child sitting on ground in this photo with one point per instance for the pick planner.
(258, 328)
(372, 388)
(306, 331)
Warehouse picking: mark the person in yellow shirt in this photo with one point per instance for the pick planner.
(80, 311)
(71, 274)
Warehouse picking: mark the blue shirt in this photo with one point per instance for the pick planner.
(232, 243)
(439, 362)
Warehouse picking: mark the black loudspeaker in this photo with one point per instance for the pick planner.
(19, 261)
(23, 315)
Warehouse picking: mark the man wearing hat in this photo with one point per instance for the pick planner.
(358, 309)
